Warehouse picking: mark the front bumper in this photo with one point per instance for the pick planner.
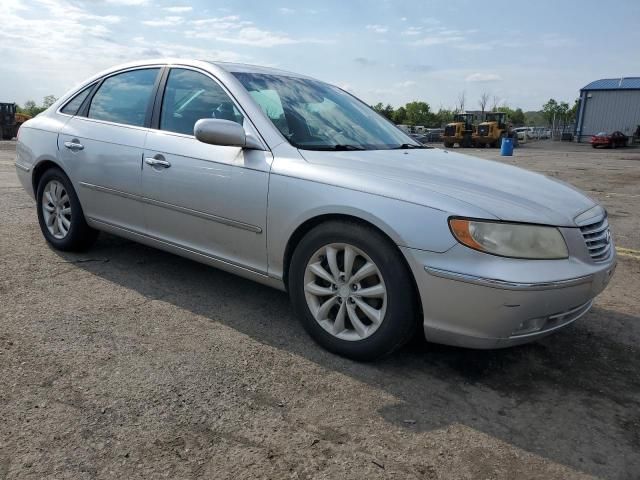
(471, 299)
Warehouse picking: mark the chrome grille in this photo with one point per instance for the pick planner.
(598, 239)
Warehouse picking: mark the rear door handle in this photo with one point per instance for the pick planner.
(155, 162)
(74, 145)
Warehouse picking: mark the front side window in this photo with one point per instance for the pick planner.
(72, 107)
(313, 115)
(190, 96)
(124, 98)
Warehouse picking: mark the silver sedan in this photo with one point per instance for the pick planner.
(296, 184)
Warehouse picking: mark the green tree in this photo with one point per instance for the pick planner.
(443, 117)
(48, 101)
(517, 117)
(418, 113)
(400, 115)
(550, 110)
(29, 108)
(386, 111)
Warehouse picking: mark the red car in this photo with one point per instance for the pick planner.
(616, 139)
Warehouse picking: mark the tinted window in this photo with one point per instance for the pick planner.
(124, 98)
(71, 108)
(190, 96)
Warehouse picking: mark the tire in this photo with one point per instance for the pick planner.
(79, 236)
(594, 145)
(448, 144)
(364, 339)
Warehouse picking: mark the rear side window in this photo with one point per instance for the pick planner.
(72, 107)
(190, 96)
(124, 98)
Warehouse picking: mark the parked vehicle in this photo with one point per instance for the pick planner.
(613, 140)
(492, 130)
(10, 120)
(7, 121)
(434, 134)
(296, 184)
(420, 137)
(522, 133)
(459, 131)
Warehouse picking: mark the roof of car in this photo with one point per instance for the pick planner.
(621, 83)
(248, 68)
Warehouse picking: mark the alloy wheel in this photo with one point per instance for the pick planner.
(345, 291)
(56, 209)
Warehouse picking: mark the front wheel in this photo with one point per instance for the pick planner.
(60, 215)
(351, 289)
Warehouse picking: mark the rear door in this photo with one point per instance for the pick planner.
(102, 147)
(206, 198)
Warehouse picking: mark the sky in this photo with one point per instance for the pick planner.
(390, 51)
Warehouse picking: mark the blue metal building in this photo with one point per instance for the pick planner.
(608, 105)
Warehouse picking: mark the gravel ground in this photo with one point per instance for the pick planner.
(127, 362)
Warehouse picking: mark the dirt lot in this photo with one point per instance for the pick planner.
(127, 362)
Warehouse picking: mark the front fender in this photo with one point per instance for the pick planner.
(293, 201)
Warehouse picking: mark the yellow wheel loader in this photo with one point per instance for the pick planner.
(492, 130)
(459, 131)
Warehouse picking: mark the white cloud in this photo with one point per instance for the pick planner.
(258, 38)
(164, 22)
(286, 11)
(377, 28)
(178, 9)
(405, 84)
(435, 35)
(69, 42)
(232, 29)
(483, 77)
(412, 31)
(128, 3)
(435, 40)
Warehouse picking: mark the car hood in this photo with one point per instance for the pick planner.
(430, 176)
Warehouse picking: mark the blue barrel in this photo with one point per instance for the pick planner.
(506, 149)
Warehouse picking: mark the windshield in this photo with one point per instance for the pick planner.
(313, 115)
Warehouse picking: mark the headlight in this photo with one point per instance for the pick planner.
(510, 239)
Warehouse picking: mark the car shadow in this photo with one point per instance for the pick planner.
(573, 398)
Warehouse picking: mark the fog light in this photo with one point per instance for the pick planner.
(530, 326)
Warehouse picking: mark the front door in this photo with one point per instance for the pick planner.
(206, 198)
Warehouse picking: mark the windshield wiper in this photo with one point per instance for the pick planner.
(404, 146)
(347, 147)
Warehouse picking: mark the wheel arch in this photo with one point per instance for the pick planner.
(39, 168)
(309, 224)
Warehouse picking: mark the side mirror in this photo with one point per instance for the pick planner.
(224, 133)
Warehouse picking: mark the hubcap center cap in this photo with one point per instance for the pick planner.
(344, 291)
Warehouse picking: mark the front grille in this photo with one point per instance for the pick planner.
(483, 130)
(598, 239)
(450, 131)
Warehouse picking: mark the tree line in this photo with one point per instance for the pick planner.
(420, 113)
(32, 109)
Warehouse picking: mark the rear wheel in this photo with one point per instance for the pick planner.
(60, 215)
(352, 291)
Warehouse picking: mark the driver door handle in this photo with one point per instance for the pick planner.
(155, 162)
(74, 145)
